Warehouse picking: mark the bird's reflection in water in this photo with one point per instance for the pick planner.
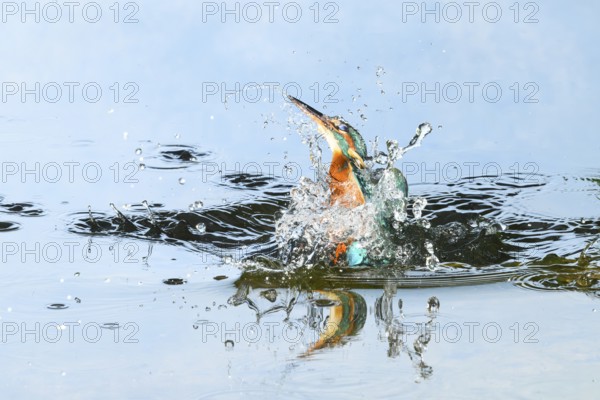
(347, 316)
(333, 318)
(323, 318)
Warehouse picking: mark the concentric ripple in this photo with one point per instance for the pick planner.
(24, 209)
(477, 227)
(173, 156)
(230, 227)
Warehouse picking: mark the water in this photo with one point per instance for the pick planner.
(480, 243)
(479, 275)
(483, 278)
(151, 266)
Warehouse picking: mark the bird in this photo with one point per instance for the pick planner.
(347, 186)
(350, 183)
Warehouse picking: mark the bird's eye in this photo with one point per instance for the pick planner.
(343, 127)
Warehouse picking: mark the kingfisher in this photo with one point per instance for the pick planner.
(350, 183)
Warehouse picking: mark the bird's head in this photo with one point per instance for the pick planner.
(340, 135)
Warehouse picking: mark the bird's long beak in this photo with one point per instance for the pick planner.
(326, 129)
(317, 116)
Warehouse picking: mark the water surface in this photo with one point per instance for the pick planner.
(157, 298)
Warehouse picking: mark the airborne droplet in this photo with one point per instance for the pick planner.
(196, 205)
(433, 304)
(424, 129)
(201, 228)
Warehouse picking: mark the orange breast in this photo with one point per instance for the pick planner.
(343, 185)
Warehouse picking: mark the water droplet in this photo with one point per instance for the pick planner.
(207, 309)
(229, 344)
(222, 307)
(77, 300)
(138, 151)
(419, 205)
(196, 205)
(431, 262)
(393, 151)
(424, 223)
(77, 274)
(493, 229)
(399, 216)
(227, 260)
(177, 136)
(433, 304)
(142, 167)
(424, 129)
(400, 305)
(399, 253)
(201, 228)
(381, 158)
(429, 247)
(182, 181)
(380, 72)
